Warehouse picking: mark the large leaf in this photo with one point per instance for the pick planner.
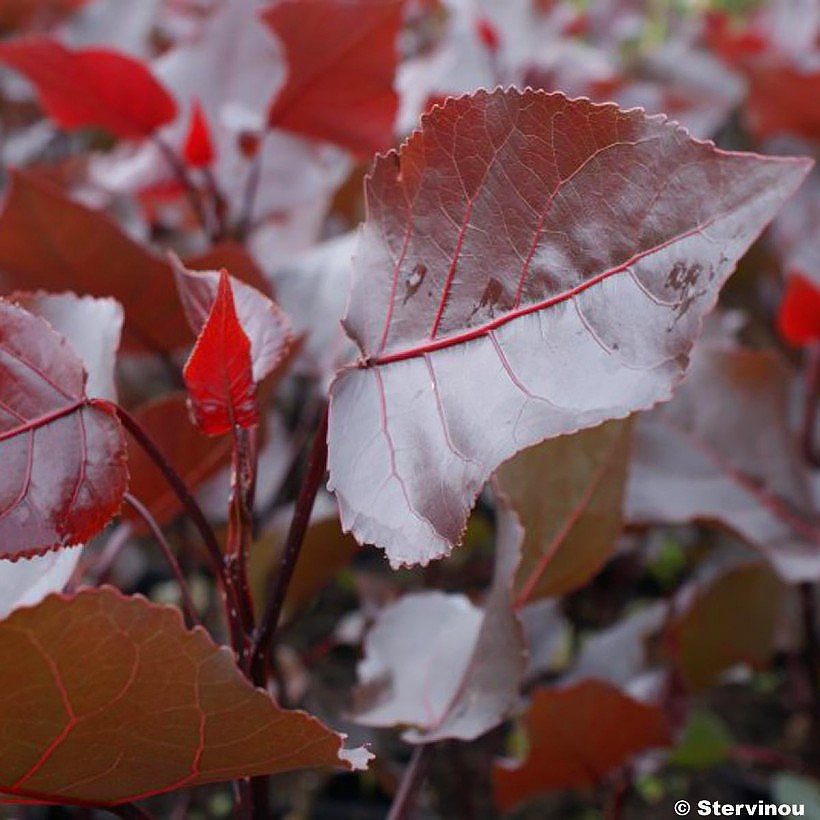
(530, 266)
(92, 86)
(64, 460)
(92, 327)
(577, 736)
(341, 57)
(108, 699)
(568, 493)
(444, 666)
(723, 451)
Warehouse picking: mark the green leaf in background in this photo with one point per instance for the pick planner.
(705, 742)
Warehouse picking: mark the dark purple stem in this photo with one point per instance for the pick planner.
(187, 601)
(316, 466)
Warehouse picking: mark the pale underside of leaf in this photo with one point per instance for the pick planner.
(530, 266)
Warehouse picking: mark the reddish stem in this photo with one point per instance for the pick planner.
(411, 782)
(187, 601)
(197, 516)
(317, 463)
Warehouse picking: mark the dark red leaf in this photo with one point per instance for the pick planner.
(341, 57)
(218, 373)
(198, 148)
(799, 315)
(41, 247)
(109, 699)
(530, 265)
(577, 735)
(64, 469)
(267, 328)
(92, 87)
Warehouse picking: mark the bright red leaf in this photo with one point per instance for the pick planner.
(218, 373)
(198, 148)
(341, 58)
(64, 469)
(530, 265)
(799, 315)
(92, 87)
(109, 699)
(261, 320)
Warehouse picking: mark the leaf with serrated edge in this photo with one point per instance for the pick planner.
(64, 470)
(530, 266)
(109, 698)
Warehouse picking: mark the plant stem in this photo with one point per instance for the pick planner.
(251, 190)
(411, 781)
(193, 193)
(187, 601)
(240, 521)
(315, 473)
(197, 516)
(812, 388)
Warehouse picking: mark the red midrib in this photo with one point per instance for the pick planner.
(432, 345)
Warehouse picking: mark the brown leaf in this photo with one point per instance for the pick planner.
(567, 493)
(109, 699)
(577, 736)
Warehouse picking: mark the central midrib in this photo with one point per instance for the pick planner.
(431, 345)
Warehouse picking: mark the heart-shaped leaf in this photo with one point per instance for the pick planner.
(218, 373)
(530, 266)
(341, 58)
(92, 86)
(109, 699)
(64, 468)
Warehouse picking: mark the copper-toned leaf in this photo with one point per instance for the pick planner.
(92, 86)
(530, 266)
(568, 493)
(731, 620)
(64, 469)
(722, 451)
(193, 455)
(47, 241)
(264, 324)
(109, 699)
(341, 57)
(218, 373)
(577, 735)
